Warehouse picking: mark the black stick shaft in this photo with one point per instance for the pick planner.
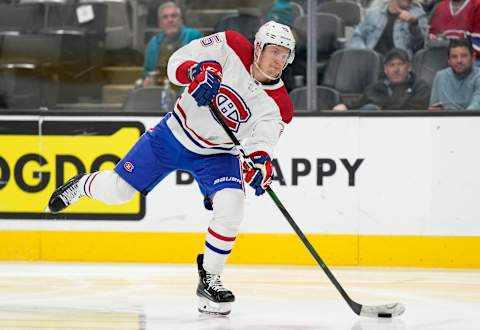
(356, 307)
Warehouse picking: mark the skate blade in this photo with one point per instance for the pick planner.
(207, 306)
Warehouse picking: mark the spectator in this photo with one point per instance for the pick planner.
(173, 36)
(457, 19)
(400, 90)
(280, 12)
(394, 23)
(458, 86)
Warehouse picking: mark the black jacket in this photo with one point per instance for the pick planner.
(412, 94)
(3, 102)
(3, 97)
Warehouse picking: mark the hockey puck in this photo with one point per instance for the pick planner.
(385, 315)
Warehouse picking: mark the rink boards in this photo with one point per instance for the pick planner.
(381, 191)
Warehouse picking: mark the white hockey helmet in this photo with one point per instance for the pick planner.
(276, 34)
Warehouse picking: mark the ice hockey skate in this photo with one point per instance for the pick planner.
(214, 298)
(66, 194)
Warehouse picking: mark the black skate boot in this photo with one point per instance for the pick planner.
(66, 194)
(214, 298)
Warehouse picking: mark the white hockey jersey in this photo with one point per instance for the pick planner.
(256, 113)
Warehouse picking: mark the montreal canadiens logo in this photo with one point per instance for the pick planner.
(128, 166)
(233, 108)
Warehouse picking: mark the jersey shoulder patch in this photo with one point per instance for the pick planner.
(241, 46)
(283, 101)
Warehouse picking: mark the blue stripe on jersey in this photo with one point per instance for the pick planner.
(214, 249)
(192, 139)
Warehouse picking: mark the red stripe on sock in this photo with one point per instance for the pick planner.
(223, 238)
(90, 184)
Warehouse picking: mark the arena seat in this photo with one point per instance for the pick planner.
(155, 99)
(427, 62)
(350, 70)
(246, 24)
(327, 98)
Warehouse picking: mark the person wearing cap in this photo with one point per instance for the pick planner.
(394, 23)
(400, 90)
(458, 86)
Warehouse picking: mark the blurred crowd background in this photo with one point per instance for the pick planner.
(104, 55)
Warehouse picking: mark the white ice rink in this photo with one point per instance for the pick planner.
(138, 296)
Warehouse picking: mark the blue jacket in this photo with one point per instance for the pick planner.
(152, 51)
(456, 93)
(368, 32)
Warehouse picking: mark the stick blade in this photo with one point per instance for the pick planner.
(388, 310)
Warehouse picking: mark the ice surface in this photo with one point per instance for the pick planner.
(138, 296)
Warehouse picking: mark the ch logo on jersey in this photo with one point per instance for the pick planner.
(231, 105)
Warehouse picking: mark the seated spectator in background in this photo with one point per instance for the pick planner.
(173, 36)
(280, 12)
(457, 19)
(395, 23)
(400, 90)
(458, 86)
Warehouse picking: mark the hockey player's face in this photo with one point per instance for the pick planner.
(460, 60)
(169, 20)
(273, 59)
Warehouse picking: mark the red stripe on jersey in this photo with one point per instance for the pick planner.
(283, 101)
(221, 237)
(184, 117)
(90, 184)
(241, 46)
(182, 72)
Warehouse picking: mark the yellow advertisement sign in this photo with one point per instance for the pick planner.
(36, 157)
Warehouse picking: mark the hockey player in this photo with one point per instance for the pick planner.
(243, 82)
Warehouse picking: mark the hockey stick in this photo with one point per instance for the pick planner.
(387, 310)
